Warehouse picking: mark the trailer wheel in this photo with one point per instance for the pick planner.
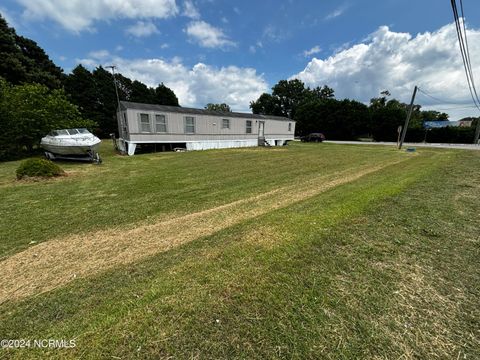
(49, 155)
(97, 159)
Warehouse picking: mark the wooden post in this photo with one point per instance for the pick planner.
(399, 132)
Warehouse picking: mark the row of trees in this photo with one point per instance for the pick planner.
(218, 107)
(317, 110)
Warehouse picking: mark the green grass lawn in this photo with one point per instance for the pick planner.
(383, 265)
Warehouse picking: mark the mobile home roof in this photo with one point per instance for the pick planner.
(183, 110)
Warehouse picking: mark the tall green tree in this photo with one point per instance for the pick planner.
(266, 104)
(290, 94)
(142, 93)
(40, 69)
(287, 96)
(82, 90)
(432, 115)
(218, 107)
(321, 93)
(386, 119)
(23, 61)
(11, 66)
(106, 101)
(165, 96)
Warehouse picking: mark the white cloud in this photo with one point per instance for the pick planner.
(275, 34)
(190, 10)
(76, 16)
(397, 62)
(314, 50)
(89, 62)
(142, 29)
(207, 35)
(99, 54)
(196, 86)
(253, 48)
(337, 12)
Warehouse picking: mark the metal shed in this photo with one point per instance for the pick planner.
(198, 129)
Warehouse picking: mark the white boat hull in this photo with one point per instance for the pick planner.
(76, 143)
(70, 149)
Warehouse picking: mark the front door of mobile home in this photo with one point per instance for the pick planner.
(261, 133)
(261, 129)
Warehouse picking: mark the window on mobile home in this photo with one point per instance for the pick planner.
(160, 123)
(189, 125)
(225, 123)
(289, 126)
(249, 127)
(145, 123)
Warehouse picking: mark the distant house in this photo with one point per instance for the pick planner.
(465, 122)
(197, 129)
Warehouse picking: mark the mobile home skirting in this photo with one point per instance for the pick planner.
(130, 147)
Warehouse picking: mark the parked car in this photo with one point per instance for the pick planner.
(313, 137)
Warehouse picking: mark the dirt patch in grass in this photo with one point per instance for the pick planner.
(34, 179)
(54, 263)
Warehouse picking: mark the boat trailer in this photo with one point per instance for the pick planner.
(92, 157)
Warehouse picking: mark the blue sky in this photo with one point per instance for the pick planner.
(228, 51)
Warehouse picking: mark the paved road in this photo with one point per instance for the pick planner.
(443, 146)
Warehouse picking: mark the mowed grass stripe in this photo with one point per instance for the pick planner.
(57, 262)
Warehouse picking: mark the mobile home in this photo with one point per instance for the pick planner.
(197, 129)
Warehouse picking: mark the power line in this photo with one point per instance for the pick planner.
(464, 50)
(433, 97)
(445, 102)
(468, 52)
(457, 108)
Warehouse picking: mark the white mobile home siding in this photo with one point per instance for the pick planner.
(209, 132)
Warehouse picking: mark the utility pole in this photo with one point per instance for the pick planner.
(407, 120)
(115, 145)
(477, 132)
(113, 67)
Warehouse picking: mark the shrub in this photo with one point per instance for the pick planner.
(449, 134)
(38, 168)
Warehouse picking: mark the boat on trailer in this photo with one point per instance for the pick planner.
(71, 144)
